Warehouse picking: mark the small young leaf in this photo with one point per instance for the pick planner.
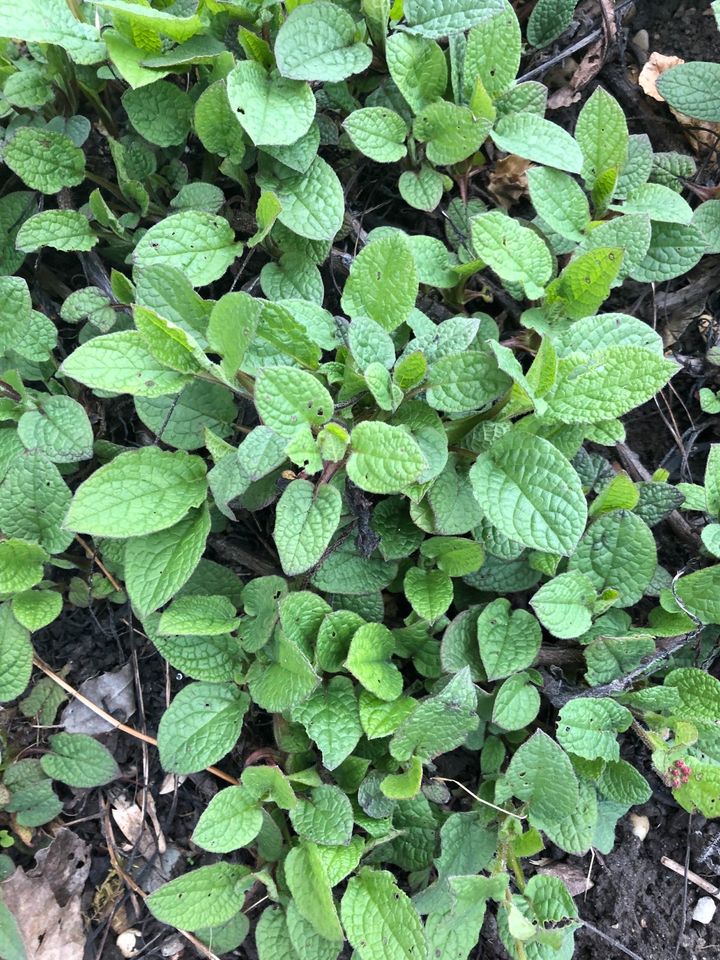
(79, 761)
(379, 133)
(305, 520)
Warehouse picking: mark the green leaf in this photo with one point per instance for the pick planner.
(330, 717)
(201, 245)
(517, 703)
(439, 723)
(305, 520)
(21, 565)
(537, 139)
(45, 160)
(530, 492)
(11, 942)
(309, 884)
(465, 382)
(585, 282)
(271, 110)
(658, 202)
(285, 398)
(312, 202)
(370, 343)
(406, 785)
(35, 609)
(177, 28)
(199, 614)
(493, 52)
(59, 229)
(588, 727)
(16, 654)
(285, 681)
(79, 761)
(706, 219)
(52, 21)
(160, 112)
(452, 133)
(606, 384)
(200, 726)
(422, 190)
(418, 67)
(440, 18)
(317, 42)
(622, 783)
(559, 201)
(618, 553)
(121, 363)
(549, 18)
(508, 640)
(674, 249)
(58, 429)
(231, 820)
(380, 920)
(693, 89)
(266, 213)
(541, 774)
(139, 492)
(514, 252)
(205, 897)
(455, 556)
(368, 660)
(602, 133)
(333, 639)
(384, 459)
(325, 817)
(631, 233)
(700, 594)
(430, 592)
(33, 501)
(383, 282)
(158, 565)
(215, 123)
(564, 604)
(378, 132)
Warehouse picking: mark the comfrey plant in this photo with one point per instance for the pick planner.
(433, 521)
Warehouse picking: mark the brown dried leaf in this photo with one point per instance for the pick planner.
(655, 67)
(508, 181)
(574, 877)
(65, 865)
(49, 931)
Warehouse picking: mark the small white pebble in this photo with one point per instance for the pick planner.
(704, 910)
(127, 942)
(640, 826)
(642, 40)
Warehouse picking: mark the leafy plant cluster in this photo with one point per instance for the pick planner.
(442, 519)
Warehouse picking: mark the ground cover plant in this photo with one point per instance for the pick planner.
(411, 434)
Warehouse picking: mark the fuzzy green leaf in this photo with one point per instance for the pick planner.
(200, 726)
(317, 42)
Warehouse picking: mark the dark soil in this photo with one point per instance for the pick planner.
(680, 28)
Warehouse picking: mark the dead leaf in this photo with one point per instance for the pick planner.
(574, 877)
(153, 858)
(655, 67)
(508, 181)
(65, 865)
(111, 691)
(49, 931)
